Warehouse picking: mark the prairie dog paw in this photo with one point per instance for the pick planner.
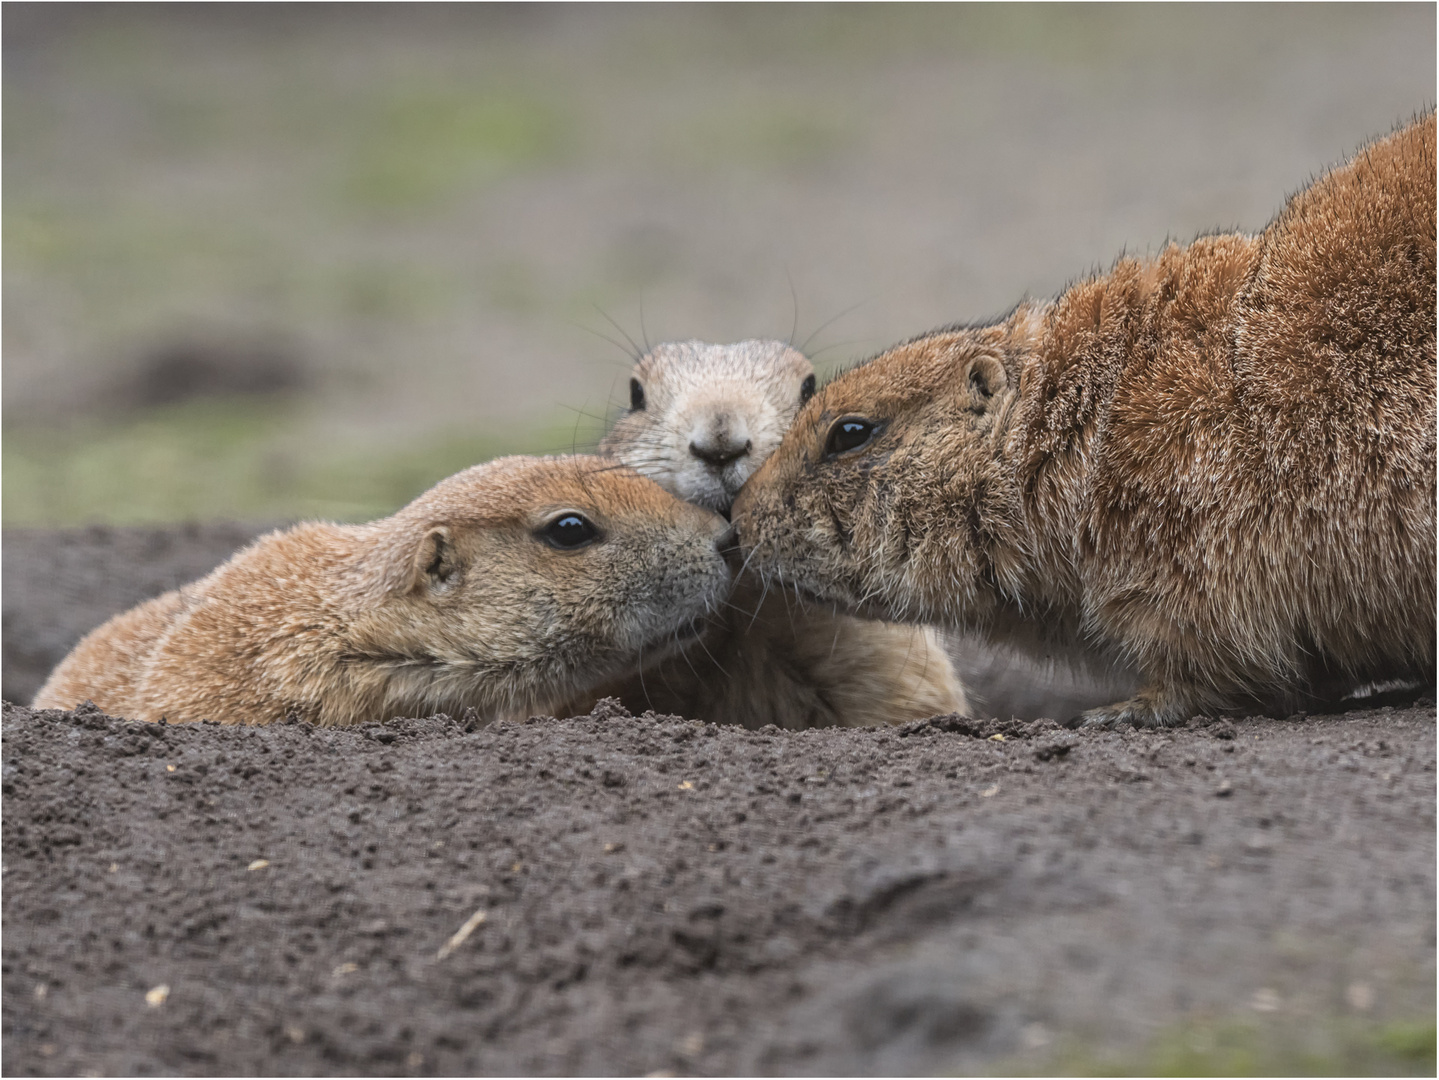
(1147, 709)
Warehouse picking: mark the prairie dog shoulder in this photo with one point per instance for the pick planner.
(505, 587)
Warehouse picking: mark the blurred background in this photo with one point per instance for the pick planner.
(269, 261)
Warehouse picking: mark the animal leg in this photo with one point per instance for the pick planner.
(1155, 706)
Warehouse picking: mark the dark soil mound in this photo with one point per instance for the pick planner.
(627, 895)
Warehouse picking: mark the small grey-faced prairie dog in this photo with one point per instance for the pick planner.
(701, 419)
(507, 588)
(1216, 464)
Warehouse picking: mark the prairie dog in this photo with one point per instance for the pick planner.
(702, 418)
(1217, 464)
(506, 588)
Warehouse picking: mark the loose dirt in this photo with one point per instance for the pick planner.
(615, 894)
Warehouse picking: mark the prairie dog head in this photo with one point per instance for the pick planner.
(526, 580)
(888, 496)
(702, 418)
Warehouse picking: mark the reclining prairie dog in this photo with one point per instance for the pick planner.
(507, 587)
(701, 419)
(1216, 464)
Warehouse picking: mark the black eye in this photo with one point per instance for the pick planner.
(806, 389)
(569, 531)
(849, 433)
(637, 395)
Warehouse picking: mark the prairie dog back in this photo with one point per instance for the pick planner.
(703, 417)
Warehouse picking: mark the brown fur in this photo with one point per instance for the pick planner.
(456, 601)
(765, 660)
(776, 660)
(1217, 464)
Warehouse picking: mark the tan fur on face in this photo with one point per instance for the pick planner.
(1217, 464)
(764, 660)
(456, 601)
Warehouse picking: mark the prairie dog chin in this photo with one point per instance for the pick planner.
(507, 588)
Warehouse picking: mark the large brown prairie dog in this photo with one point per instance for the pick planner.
(508, 588)
(702, 418)
(1217, 464)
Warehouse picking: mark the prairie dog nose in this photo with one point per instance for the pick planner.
(719, 452)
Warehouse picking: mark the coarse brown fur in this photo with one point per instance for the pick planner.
(1217, 464)
(459, 600)
(701, 421)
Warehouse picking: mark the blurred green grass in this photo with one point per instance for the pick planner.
(422, 147)
(238, 459)
(1337, 1046)
(357, 184)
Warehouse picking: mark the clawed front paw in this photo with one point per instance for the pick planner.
(1141, 711)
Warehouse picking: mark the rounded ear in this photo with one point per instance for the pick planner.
(983, 378)
(436, 564)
